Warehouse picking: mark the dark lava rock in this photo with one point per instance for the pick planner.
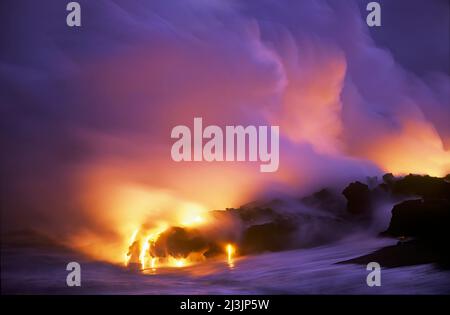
(426, 187)
(273, 236)
(388, 178)
(427, 219)
(213, 250)
(358, 198)
(178, 242)
(411, 253)
(325, 200)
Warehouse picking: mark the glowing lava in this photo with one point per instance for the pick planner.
(141, 242)
(132, 239)
(153, 263)
(144, 251)
(230, 252)
(179, 262)
(146, 255)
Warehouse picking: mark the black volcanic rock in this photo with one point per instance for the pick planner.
(358, 198)
(388, 178)
(426, 187)
(411, 253)
(273, 236)
(326, 200)
(323, 217)
(213, 250)
(178, 242)
(426, 219)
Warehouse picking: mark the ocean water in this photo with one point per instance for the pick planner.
(304, 271)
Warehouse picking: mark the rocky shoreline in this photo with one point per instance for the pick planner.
(420, 220)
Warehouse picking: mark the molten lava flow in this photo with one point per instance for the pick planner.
(147, 250)
(153, 263)
(178, 240)
(230, 252)
(139, 247)
(178, 262)
(144, 251)
(132, 239)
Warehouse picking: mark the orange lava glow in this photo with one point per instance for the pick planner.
(132, 239)
(150, 263)
(230, 249)
(417, 149)
(123, 209)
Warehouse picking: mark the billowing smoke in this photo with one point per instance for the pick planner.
(87, 113)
